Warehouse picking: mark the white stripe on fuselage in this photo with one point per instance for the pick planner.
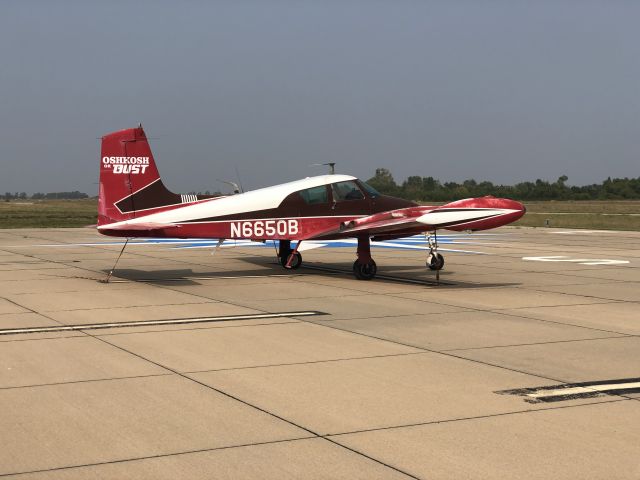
(255, 200)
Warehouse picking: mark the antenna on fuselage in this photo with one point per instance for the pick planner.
(239, 180)
(332, 166)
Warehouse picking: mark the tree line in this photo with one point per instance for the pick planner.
(429, 189)
(8, 196)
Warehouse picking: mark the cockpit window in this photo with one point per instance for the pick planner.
(370, 190)
(346, 191)
(315, 195)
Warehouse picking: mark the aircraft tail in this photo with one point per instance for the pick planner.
(129, 178)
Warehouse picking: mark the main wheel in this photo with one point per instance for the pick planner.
(435, 262)
(365, 271)
(295, 263)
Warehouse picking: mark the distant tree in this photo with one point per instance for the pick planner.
(413, 188)
(430, 184)
(383, 182)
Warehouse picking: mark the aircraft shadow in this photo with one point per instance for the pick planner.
(384, 275)
(268, 267)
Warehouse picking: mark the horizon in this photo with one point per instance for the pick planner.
(399, 183)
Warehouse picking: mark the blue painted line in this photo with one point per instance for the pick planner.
(409, 243)
(416, 242)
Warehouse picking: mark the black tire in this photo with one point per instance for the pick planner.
(295, 264)
(365, 271)
(436, 262)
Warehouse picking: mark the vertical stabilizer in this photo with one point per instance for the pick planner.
(129, 178)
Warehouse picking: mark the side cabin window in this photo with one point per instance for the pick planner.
(346, 191)
(315, 195)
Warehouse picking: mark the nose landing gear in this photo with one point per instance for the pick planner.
(435, 261)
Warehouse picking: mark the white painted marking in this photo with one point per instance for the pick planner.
(310, 246)
(581, 261)
(578, 232)
(580, 390)
(440, 249)
(419, 247)
(586, 213)
(180, 321)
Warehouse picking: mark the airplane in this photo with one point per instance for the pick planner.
(134, 202)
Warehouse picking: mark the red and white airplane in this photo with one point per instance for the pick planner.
(133, 202)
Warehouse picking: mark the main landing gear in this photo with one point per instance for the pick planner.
(289, 259)
(364, 268)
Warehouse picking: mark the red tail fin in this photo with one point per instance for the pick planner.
(129, 179)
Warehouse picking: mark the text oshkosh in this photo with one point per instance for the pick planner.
(126, 164)
(264, 228)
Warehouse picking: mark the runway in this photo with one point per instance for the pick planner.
(524, 362)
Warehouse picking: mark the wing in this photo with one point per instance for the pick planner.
(385, 222)
(469, 214)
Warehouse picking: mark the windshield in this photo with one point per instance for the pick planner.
(370, 190)
(346, 191)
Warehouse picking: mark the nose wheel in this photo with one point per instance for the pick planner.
(435, 261)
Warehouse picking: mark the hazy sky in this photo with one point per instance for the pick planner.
(494, 90)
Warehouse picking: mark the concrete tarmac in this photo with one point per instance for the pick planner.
(313, 374)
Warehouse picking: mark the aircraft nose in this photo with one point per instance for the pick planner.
(514, 205)
(517, 208)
